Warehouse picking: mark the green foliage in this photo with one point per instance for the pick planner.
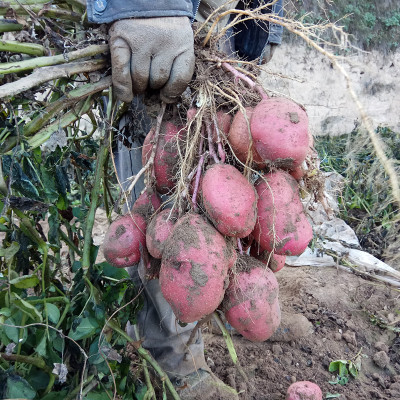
(62, 324)
(54, 309)
(16, 387)
(379, 321)
(393, 20)
(344, 370)
(372, 24)
(365, 201)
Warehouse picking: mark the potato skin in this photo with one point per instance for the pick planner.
(275, 262)
(191, 113)
(224, 123)
(304, 390)
(230, 200)
(298, 172)
(280, 132)
(158, 231)
(282, 227)
(166, 157)
(194, 268)
(122, 242)
(127, 235)
(147, 204)
(251, 303)
(151, 265)
(239, 140)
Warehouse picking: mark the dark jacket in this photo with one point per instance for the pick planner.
(250, 37)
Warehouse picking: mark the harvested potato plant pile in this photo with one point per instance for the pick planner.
(224, 159)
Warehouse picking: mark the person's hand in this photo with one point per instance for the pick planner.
(268, 53)
(154, 53)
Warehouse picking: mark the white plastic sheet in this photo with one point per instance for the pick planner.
(337, 244)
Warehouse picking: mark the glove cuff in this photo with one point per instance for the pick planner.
(105, 11)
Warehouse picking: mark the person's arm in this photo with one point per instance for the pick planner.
(275, 31)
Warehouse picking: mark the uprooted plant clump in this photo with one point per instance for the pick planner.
(68, 328)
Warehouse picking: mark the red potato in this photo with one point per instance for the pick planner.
(147, 204)
(280, 132)
(194, 268)
(304, 390)
(191, 113)
(251, 303)
(126, 236)
(123, 240)
(239, 139)
(158, 231)
(282, 227)
(275, 262)
(166, 157)
(151, 265)
(229, 200)
(224, 123)
(298, 172)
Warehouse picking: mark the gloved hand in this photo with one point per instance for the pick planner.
(151, 52)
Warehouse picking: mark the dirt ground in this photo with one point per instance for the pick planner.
(341, 308)
(343, 314)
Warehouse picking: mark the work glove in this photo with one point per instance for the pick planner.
(154, 53)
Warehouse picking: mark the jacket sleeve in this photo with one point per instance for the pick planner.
(275, 30)
(105, 11)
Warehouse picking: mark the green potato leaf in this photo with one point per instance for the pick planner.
(25, 282)
(9, 252)
(27, 308)
(19, 388)
(86, 328)
(53, 313)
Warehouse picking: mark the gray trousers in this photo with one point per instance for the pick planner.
(158, 327)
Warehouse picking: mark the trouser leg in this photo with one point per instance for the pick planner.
(163, 336)
(128, 160)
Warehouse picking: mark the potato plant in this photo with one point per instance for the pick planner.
(54, 298)
(219, 200)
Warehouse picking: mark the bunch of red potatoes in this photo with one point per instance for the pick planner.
(225, 255)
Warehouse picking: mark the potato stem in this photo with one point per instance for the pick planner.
(210, 142)
(197, 182)
(238, 75)
(221, 151)
(240, 246)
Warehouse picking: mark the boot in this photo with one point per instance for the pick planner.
(203, 385)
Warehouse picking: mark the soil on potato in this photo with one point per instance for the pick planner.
(341, 308)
